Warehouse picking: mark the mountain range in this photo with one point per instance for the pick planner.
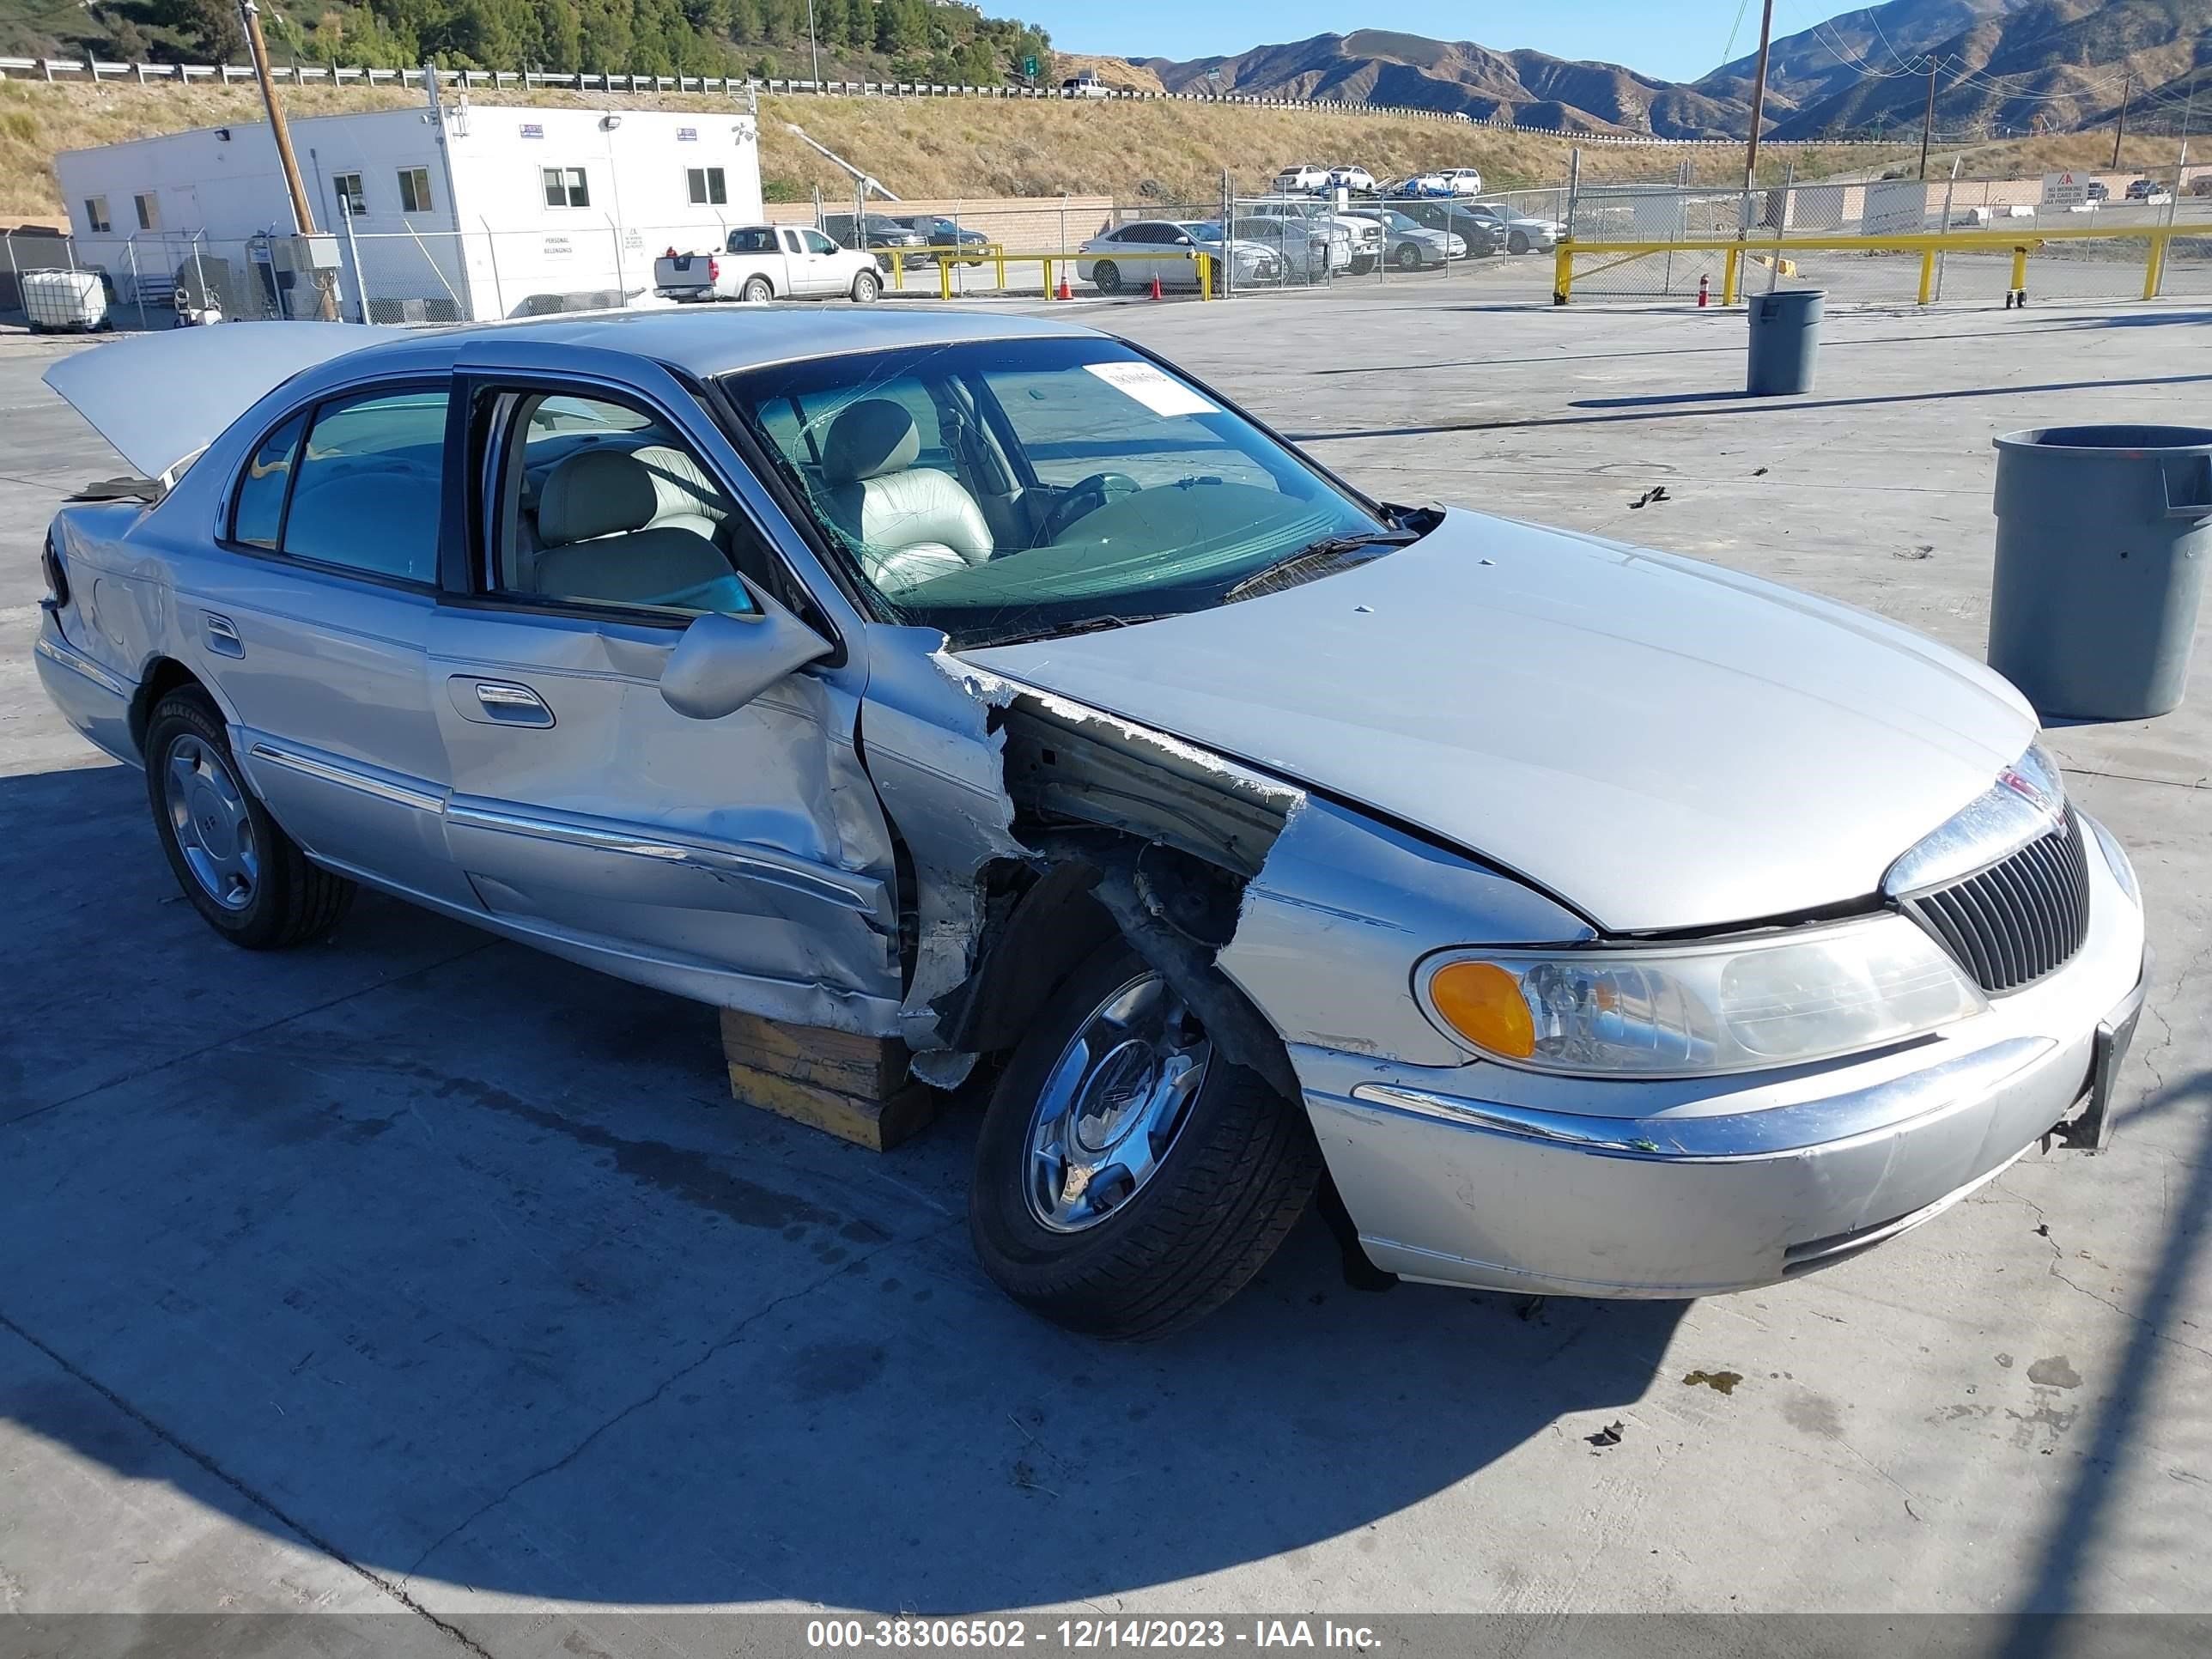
(2001, 66)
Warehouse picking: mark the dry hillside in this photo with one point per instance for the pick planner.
(952, 149)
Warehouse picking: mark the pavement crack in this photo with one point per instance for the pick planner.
(159, 1066)
(2132, 1318)
(260, 1500)
(721, 1345)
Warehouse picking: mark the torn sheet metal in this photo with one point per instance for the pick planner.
(930, 742)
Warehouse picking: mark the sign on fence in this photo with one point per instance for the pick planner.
(2065, 190)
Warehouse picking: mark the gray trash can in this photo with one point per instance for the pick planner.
(2102, 535)
(1785, 338)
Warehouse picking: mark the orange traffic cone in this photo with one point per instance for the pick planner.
(1063, 293)
(1156, 286)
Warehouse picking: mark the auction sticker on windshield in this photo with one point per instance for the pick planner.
(1161, 393)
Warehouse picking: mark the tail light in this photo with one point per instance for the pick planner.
(49, 562)
(713, 271)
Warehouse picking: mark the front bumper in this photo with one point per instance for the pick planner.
(1485, 1176)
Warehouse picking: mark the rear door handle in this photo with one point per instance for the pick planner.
(222, 635)
(499, 703)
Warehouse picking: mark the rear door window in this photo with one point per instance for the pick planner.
(366, 496)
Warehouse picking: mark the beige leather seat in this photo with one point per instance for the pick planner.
(912, 523)
(602, 540)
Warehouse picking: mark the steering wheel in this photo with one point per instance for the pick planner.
(1085, 497)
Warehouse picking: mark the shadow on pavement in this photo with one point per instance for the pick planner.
(456, 1259)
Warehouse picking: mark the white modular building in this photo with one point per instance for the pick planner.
(441, 212)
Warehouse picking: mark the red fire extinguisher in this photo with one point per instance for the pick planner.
(1704, 282)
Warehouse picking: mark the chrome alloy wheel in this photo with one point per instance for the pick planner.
(215, 831)
(1113, 1104)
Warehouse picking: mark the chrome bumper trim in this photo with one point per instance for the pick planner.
(1739, 1135)
(65, 655)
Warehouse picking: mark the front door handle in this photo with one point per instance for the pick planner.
(497, 702)
(222, 635)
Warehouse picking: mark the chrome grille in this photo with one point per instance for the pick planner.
(2020, 918)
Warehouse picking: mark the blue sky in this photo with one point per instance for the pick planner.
(1674, 40)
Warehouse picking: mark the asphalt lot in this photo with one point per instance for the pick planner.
(417, 1272)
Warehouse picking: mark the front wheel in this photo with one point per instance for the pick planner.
(866, 287)
(1517, 242)
(757, 290)
(1129, 1179)
(1362, 263)
(246, 877)
(1106, 276)
(1409, 257)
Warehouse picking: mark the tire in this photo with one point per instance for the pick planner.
(1363, 264)
(866, 287)
(1517, 242)
(756, 291)
(1408, 256)
(1229, 1176)
(263, 893)
(1106, 276)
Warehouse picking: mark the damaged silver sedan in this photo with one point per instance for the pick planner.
(1579, 919)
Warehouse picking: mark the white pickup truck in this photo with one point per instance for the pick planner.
(770, 262)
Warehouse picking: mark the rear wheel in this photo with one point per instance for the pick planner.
(1128, 1178)
(1106, 276)
(757, 290)
(866, 287)
(246, 877)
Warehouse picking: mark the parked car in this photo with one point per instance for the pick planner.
(1464, 181)
(769, 261)
(873, 231)
(1354, 178)
(1130, 255)
(1366, 234)
(1306, 253)
(1152, 752)
(1520, 233)
(1410, 245)
(1418, 184)
(1479, 237)
(2201, 186)
(1085, 85)
(946, 234)
(1304, 177)
(2098, 190)
(2149, 192)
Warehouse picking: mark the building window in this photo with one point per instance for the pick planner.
(707, 189)
(353, 200)
(565, 187)
(149, 212)
(95, 213)
(415, 189)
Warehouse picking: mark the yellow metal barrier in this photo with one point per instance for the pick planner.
(1927, 244)
(1000, 257)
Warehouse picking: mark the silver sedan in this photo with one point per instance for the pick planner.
(1130, 255)
(1597, 921)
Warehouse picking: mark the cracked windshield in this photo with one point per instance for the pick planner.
(1012, 489)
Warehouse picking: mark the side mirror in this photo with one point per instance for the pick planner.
(723, 662)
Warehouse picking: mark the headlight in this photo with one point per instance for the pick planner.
(1699, 1010)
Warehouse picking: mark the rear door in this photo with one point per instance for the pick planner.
(744, 859)
(313, 613)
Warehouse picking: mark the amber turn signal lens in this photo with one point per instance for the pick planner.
(1483, 1003)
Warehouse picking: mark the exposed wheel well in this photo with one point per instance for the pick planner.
(163, 676)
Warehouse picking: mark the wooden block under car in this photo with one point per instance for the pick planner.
(872, 1068)
(855, 1088)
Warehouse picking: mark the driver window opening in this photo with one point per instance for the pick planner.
(604, 504)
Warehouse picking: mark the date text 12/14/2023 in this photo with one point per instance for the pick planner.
(1083, 1634)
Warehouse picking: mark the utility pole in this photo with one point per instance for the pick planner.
(1759, 96)
(1927, 121)
(815, 42)
(2127, 94)
(303, 211)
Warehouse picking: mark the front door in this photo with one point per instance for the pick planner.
(744, 859)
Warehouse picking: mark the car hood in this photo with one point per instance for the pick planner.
(162, 398)
(1661, 743)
